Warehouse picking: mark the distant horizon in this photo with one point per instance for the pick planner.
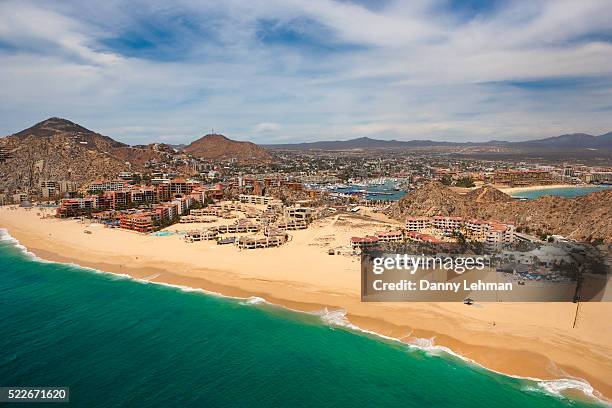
(309, 70)
(232, 137)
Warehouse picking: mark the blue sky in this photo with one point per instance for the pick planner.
(274, 71)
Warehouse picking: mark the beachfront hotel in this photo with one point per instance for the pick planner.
(144, 222)
(417, 223)
(256, 199)
(361, 243)
(440, 229)
(490, 232)
(487, 231)
(201, 235)
(370, 241)
(300, 213)
(390, 236)
(272, 237)
(260, 242)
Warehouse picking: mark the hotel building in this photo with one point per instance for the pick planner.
(599, 177)
(256, 199)
(417, 223)
(113, 185)
(49, 189)
(390, 236)
(73, 207)
(487, 231)
(261, 242)
(300, 213)
(361, 243)
(143, 222)
(447, 224)
(419, 237)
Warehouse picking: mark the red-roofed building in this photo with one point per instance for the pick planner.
(418, 223)
(214, 193)
(364, 242)
(418, 237)
(447, 224)
(140, 222)
(73, 207)
(390, 236)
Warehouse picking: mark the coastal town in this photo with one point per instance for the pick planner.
(220, 198)
(316, 203)
(291, 225)
(252, 204)
(259, 211)
(265, 193)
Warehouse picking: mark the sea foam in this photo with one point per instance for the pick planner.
(254, 300)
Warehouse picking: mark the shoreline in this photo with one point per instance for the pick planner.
(514, 190)
(578, 388)
(502, 349)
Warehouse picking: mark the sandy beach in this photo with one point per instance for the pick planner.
(525, 339)
(513, 190)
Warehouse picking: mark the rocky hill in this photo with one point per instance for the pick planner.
(160, 147)
(587, 217)
(62, 127)
(215, 146)
(487, 194)
(57, 149)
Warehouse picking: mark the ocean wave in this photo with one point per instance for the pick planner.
(338, 318)
(5, 236)
(184, 288)
(149, 278)
(558, 388)
(254, 300)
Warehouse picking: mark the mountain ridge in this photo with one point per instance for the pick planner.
(571, 140)
(211, 146)
(55, 125)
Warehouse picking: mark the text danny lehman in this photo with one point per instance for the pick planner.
(426, 285)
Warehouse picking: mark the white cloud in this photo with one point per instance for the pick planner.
(266, 127)
(407, 70)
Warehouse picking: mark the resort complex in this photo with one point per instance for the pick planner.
(148, 208)
(438, 230)
(490, 232)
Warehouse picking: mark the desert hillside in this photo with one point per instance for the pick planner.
(587, 217)
(216, 146)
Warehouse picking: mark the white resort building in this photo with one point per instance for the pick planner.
(487, 231)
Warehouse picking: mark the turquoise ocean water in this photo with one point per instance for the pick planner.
(562, 191)
(118, 342)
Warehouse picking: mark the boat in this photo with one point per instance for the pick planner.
(380, 193)
(377, 182)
